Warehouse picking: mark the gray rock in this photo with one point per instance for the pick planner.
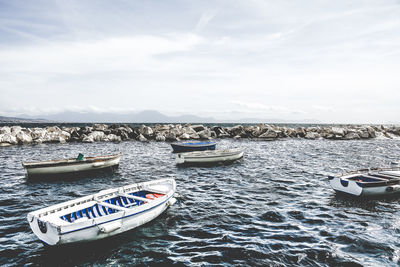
(170, 136)
(194, 136)
(23, 138)
(205, 134)
(198, 128)
(10, 139)
(269, 134)
(352, 136)
(99, 127)
(15, 130)
(184, 136)
(3, 144)
(38, 133)
(5, 130)
(141, 138)
(113, 138)
(160, 138)
(364, 134)
(88, 139)
(97, 136)
(312, 135)
(337, 131)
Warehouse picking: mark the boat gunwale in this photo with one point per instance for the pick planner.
(98, 196)
(68, 162)
(193, 144)
(211, 153)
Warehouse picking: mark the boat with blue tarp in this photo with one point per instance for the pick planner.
(106, 213)
(193, 146)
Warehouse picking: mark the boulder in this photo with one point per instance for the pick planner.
(194, 136)
(312, 135)
(371, 131)
(15, 130)
(337, 131)
(236, 130)
(170, 136)
(10, 139)
(53, 129)
(269, 134)
(112, 138)
(5, 130)
(146, 130)
(184, 136)
(198, 128)
(38, 133)
(23, 138)
(351, 136)
(97, 136)
(88, 139)
(160, 138)
(141, 138)
(99, 127)
(51, 137)
(205, 134)
(363, 134)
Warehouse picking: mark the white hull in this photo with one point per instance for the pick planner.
(58, 231)
(75, 166)
(367, 183)
(209, 156)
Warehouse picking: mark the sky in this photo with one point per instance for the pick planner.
(330, 61)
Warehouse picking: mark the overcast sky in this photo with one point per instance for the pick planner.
(333, 61)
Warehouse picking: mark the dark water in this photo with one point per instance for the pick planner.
(274, 207)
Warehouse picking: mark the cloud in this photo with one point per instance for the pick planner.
(205, 18)
(261, 107)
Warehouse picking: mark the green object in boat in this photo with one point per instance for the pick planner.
(80, 157)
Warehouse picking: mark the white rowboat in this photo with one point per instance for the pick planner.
(65, 166)
(209, 156)
(368, 182)
(106, 213)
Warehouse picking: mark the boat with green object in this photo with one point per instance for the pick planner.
(72, 165)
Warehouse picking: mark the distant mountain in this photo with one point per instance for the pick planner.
(146, 116)
(272, 120)
(4, 119)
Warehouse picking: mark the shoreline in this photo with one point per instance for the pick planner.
(17, 135)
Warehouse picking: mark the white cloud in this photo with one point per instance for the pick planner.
(314, 59)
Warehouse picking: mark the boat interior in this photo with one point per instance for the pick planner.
(374, 178)
(112, 205)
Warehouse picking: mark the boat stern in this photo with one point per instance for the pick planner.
(44, 230)
(345, 186)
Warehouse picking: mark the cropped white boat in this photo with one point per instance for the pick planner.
(65, 166)
(106, 213)
(209, 156)
(368, 182)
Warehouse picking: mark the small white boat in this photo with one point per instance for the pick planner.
(209, 156)
(368, 182)
(66, 166)
(106, 213)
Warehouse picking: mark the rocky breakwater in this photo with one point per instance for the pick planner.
(17, 135)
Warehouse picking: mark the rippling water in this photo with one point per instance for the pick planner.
(273, 207)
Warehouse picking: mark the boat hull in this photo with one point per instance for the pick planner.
(192, 146)
(365, 184)
(73, 167)
(208, 158)
(96, 228)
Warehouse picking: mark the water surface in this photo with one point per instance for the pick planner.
(273, 207)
